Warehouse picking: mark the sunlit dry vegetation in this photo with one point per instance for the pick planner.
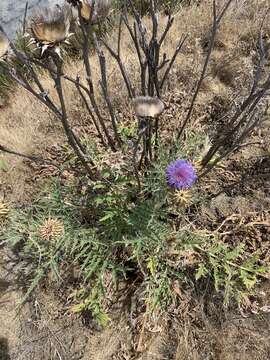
(137, 171)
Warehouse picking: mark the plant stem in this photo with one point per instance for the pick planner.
(142, 129)
(29, 157)
(73, 141)
(86, 35)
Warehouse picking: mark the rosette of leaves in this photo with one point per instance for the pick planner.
(49, 28)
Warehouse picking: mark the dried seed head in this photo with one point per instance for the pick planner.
(146, 106)
(4, 211)
(51, 229)
(4, 46)
(183, 197)
(50, 27)
(95, 10)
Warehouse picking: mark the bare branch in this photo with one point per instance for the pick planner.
(24, 17)
(178, 49)
(170, 21)
(73, 141)
(29, 157)
(104, 86)
(117, 57)
(77, 84)
(86, 35)
(223, 11)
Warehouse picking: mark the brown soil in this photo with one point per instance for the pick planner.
(44, 331)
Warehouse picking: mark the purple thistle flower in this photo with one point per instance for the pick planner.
(181, 174)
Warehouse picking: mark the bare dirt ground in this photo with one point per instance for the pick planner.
(43, 330)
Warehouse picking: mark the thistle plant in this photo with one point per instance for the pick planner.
(129, 224)
(49, 31)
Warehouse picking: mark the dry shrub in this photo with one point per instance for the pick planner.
(27, 126)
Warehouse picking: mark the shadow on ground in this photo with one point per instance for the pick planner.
(4, 349)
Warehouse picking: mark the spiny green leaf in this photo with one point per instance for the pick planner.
(202, 271)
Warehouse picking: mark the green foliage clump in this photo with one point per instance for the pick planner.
(111, 234)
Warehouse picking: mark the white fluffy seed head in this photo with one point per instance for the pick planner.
(146, 106)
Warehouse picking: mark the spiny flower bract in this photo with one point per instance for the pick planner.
(181, 174)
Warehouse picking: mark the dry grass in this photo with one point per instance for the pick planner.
(218, 336)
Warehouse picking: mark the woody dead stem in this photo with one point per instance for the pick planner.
(86, 28)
